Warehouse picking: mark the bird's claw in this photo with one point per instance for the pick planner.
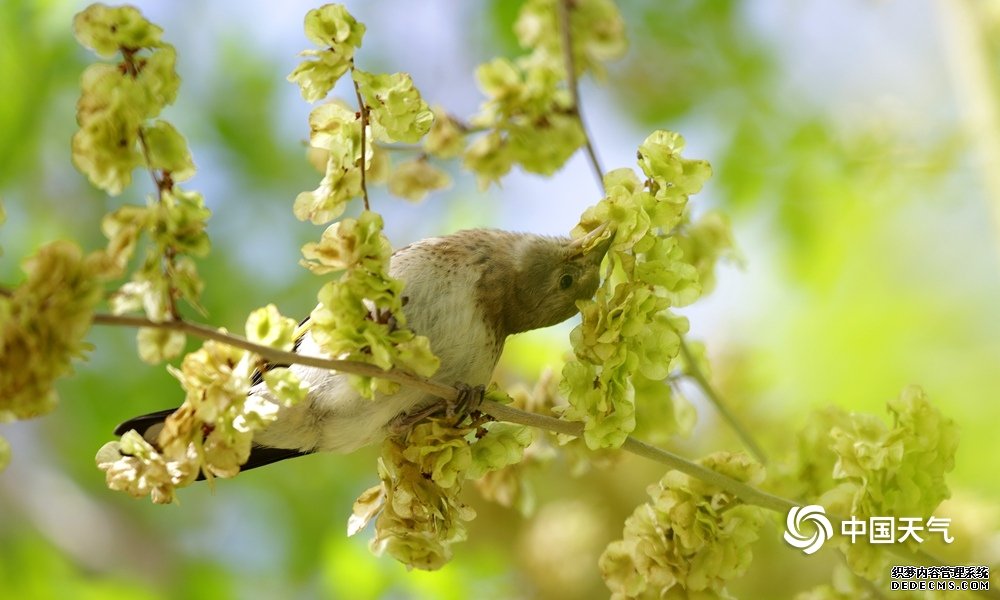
(469, 399)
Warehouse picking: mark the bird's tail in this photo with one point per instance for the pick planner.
(150, 425)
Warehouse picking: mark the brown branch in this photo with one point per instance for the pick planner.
(144, 147)
(748, 494)
(280, 356)
(565, 29)
(695, 373)
(363, 113)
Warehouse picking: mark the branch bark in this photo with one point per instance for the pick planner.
(363, 111)
(706, 388)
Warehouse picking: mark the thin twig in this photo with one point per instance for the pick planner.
(747, 493)
(564, 7)
(144, 147)
(694, 371)
(363, 111)
(280, 356)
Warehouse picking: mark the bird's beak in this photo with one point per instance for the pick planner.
(594, 245)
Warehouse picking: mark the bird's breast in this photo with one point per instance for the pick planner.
(441, 305)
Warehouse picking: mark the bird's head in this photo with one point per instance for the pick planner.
(549, 276)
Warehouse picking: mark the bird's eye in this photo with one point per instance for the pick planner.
(565, 281)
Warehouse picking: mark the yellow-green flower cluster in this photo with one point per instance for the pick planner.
(529, 112)
(414, 179)
(216, 379)
(360, 315)
(808, 473)
(132, 465)
(337, 33)
(212, 431)
(335, 130)
(119, 99)
(267, 327)
(175, 225)
(510, 486)
(627, 329)
(703, 242)
(662, 413)
(689, 540)
(201, 436)
(446, 138)
(42, 325)
(598, 33)
(118, 104)
(420, 519)
(397, 112)
(530, 120)
(896, 471)
(417, 502)
(503, 446)
(394, 109)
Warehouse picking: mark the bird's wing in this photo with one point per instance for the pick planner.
(265, 455)
(143, 423)
(149, 425)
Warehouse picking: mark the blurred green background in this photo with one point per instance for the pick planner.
(856, 146)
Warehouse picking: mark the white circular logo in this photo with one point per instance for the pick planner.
(793, 528)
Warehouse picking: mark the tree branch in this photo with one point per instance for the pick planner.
(363, 111)
(694, 371)
(564, 7)
(748, 494)
(282, 357)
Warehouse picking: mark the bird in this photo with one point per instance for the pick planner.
(466, 292)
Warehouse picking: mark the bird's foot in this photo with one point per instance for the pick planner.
(403, 422)
(469, 399)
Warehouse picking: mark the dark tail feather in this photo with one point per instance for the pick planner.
(265, 455)
(148, 426)
(143, 423)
